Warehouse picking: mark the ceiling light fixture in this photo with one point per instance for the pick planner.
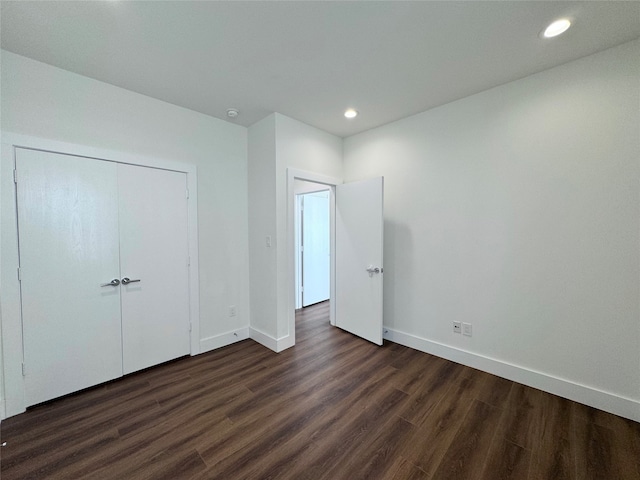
(556, 28)
(232, 112)
(350, 113)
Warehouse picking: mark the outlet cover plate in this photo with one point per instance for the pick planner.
(457, 327)
(466, 329)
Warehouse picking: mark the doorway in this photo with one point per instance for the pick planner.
(356, 228)
(314, 183)
(313, 240)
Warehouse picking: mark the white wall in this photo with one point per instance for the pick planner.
(42, 101)
(517, 210)
(262, 224)
(278, 143)
(301, 147)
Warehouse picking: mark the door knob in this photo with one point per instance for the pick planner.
(113, 283)
(127, 281)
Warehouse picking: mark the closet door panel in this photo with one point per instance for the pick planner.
(68, 236)
(153, 250)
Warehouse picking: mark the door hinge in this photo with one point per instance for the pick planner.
(190, 327)
(15, 176)
(187, 193)
(189, 261)
(19, 274)
(23, 370)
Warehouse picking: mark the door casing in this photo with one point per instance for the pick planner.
(292, 175)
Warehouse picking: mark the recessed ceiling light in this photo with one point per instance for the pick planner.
(350, 113)
(232, 112)
(556, 28)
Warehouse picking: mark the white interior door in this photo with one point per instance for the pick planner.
(316, 258)
(359, 244)
(154, 257)
(68, 228)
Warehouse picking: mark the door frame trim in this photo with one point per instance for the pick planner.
(292, 175)
(12, 399)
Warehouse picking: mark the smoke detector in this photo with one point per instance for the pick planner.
(232, 112)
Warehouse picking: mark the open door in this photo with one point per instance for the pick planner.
(359, 244)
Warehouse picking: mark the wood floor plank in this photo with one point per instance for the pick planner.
(58, 458)
(492, 389)
(553, 455)
(522, 420)
(171, 466)
(334, 407)
(433, 437)
(600, 454)
(376, 457)
(415, 371)
(352, 432)
(466, 456)
(405, 470)
(506, 461)
(431, 392)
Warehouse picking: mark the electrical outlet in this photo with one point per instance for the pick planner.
(457, 327)
(268, 241)
(232, 310)
(466, 329)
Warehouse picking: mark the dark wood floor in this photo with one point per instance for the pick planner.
(333, 407)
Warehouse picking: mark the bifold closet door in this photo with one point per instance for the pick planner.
(68, 235)
(154, 257)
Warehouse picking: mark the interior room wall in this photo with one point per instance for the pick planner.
(276, 144)
(516, 210)
(43, 101)
(262, 224)
(304, 148)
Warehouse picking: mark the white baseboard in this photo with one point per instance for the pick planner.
(277, 345)
(263, 339)
(224, 339)
(2, 412)
(285, 342)
(624, 407)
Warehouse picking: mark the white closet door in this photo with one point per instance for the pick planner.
(68, 227)
(153, 250)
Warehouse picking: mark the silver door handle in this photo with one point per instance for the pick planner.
(127, 281)
(371, 270)
(113, 283)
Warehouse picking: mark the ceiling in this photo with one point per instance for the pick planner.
(310, 60)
